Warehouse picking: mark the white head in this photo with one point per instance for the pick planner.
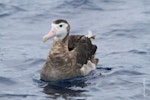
(59, 29)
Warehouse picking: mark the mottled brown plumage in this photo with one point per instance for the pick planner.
(68, 56)
(83, 46)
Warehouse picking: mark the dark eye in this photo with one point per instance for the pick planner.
(60, 25)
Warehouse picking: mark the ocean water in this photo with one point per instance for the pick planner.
(122, 29)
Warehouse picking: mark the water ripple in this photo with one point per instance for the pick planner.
(121, 33)
(81, 4)
(16, 95)
(7, 10)
(36, 62)
(125, 72)
(6, 81)
(138, 52)
(76, 3)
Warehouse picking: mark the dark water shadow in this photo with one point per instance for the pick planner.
(59, 91)
(65, 88)
(75, 87)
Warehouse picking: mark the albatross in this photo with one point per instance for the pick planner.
(70, 56)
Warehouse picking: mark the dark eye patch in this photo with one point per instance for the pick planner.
(60, 25)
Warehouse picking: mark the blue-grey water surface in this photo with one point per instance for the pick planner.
(122, 29)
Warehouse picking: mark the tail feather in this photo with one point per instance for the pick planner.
(90, 35)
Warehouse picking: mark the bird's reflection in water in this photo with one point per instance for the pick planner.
(66, 88)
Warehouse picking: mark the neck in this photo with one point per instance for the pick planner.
(59, 46)
(61, 38)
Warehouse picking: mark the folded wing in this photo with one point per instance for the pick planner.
(83, 46)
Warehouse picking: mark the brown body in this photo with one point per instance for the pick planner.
(66, 60)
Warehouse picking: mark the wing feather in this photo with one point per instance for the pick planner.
(83, 46)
